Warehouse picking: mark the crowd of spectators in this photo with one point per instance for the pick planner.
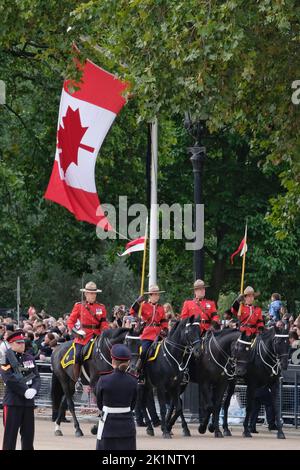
(44, 332)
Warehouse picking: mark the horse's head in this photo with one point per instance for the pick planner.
(242, 352)
(281, 346)
(133, 342)
(190, 334)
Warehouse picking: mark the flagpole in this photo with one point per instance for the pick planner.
(153, 206)
(243, 268)
(18, 300)
(144, 265)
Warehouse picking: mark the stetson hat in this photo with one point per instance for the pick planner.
(154, 290)
(250, 291)
(90, 287)
(199, 284)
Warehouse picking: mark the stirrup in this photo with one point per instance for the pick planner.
(141, 378)
(78, 386)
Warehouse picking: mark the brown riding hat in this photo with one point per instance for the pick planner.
(199, 284)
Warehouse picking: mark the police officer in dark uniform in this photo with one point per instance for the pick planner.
(116, 394)
(22, 382)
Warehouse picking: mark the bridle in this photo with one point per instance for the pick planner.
(187, 350)
(229, 359)
(274, 358)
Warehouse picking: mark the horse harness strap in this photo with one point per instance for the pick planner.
(180, 367)
(276, 366)
(229, 359)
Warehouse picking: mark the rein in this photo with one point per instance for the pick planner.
(262, 347)
(229, 359)
(99, 351)
(188, 349)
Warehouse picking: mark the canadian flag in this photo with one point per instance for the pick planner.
(242, 249)
(134, 245)
(85, 116)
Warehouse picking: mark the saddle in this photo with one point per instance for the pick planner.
(152, 351)
(69, 357)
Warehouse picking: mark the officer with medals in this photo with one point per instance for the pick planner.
(22, 382)
(199, 305)
(116, 394)
(249, 315)
(92, 318)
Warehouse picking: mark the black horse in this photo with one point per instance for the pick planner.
(166, 373)
(214, 370)
(260, 363)
(63, 385)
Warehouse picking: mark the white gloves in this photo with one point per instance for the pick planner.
(30, 393)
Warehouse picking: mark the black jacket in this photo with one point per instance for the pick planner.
(15, 388)
(117, 389)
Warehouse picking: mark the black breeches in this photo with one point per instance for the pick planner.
(78, 350)
(17, 418)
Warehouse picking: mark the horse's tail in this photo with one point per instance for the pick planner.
(56, 392)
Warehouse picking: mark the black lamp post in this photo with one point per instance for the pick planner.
(197, 156)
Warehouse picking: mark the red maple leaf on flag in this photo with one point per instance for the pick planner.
(69, 138)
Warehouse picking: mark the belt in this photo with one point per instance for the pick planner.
(116, 409)
(248, 325)
(91, 327)
(109, 410)
(154, 324)
(205, 321)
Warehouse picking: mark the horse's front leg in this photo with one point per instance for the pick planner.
(171, 420)
(230, 392)
(143, 394)
(275, 390)
(218, 398)
(161, 395)
(71, 406)
(185, 429)
(205, 407)
(249, 397)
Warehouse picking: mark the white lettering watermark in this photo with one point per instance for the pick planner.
(2, 92)
(174, 222)
(296, 95)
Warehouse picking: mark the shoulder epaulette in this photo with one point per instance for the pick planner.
(105, 372)
(132, 375)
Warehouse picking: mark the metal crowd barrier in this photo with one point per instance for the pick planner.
(289, 397)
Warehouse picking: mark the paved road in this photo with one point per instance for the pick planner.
(45, 439)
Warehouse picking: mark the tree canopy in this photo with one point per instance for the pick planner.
(230, 64)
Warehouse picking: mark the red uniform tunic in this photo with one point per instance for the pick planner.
(154, 317)
(92, 319)
(205, 308)
(251, 318)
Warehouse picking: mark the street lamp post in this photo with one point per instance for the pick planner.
(197, 156)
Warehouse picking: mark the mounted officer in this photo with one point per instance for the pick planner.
(199, 305)
(22, 382)
(92, 317)
(116, 394)
(249, 315)
(154, 318)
